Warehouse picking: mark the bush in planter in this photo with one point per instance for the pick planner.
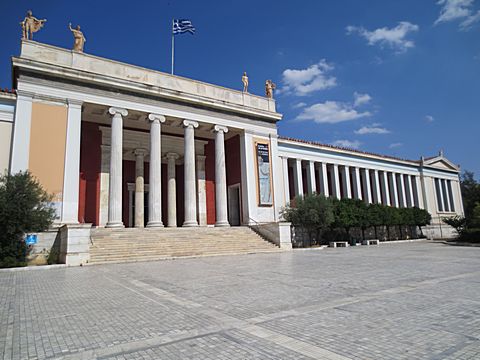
(24, 207)
(421, 217)
(311, 212)
(376, 214)
(346, 215)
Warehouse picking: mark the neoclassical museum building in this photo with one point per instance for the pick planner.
(120, 146)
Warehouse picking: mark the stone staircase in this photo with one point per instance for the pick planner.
(131, 244)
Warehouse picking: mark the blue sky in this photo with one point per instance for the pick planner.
(392, 77)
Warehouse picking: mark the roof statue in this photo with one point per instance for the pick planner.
(245, 82)
(30, 25)
(80, 40)
(269, 87)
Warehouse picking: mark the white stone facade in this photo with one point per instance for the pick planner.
(153, 119)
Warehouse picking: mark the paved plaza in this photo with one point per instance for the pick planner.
(394, 301)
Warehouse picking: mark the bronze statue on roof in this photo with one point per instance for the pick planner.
(31, 25)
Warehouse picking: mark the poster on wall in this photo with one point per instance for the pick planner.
(264, 175)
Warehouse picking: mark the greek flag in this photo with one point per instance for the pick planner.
(181, 26)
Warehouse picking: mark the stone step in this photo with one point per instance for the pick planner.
(131, 244)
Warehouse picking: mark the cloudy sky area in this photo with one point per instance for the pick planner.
(386, 76)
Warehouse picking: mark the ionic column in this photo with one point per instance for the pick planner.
(115, 179)
(312, 185)
(410, 191)
(155, 176)
(386, 190)
(139, 188)
(357, 192)
(201, 190)
(346, 182)
(336, 182)
(324, 179)
(221, 211)
(376, 188)
(171, 190)
(286, 185)
(297, 177)
(402, 189)
(367, 187)
(190, 197)
(393, 185)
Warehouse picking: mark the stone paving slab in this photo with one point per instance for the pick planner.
(404, 301)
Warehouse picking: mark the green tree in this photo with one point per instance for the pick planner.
(375, 214)
(470, 194)
(312, 212)
(363, 218)
(24, 207)
(347, 215)
(421, 217)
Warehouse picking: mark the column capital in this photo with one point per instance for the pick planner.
(74, 103)
(140, 152)
(115, 110)
(218, 128)
(190, 123)
(201, 157)
(156, 117)
(172, 156)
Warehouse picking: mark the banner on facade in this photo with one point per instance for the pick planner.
(264, 175)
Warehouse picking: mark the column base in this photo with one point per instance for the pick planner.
(172, 225)
(115, 224)
(190, 224)
(152, 224)
(222, 224)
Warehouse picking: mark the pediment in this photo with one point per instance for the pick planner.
(441, 162)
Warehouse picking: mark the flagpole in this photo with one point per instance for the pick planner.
(173, 46)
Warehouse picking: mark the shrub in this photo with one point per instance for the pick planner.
(24, 207)
(470, 235)
(312, 212)
(457, 222)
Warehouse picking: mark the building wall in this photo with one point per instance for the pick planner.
(47, 148)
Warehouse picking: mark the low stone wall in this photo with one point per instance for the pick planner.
(75, 244)
(439, 231)
(278, 233)
(47, 247)
(301, 238)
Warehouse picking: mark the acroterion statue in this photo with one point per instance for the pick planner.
(245, 82)
(30, 25)
(79, 38)
(269, 87)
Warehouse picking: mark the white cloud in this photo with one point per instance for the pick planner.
(470, 21)
(372, 129)
(361, 99)
(393, 37)
(331, 112)
(429, 118)
(299, 105)
(458, 10)
(395, 145)
(355, 144)
(305, 81)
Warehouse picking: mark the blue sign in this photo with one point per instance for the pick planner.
(31, 239)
